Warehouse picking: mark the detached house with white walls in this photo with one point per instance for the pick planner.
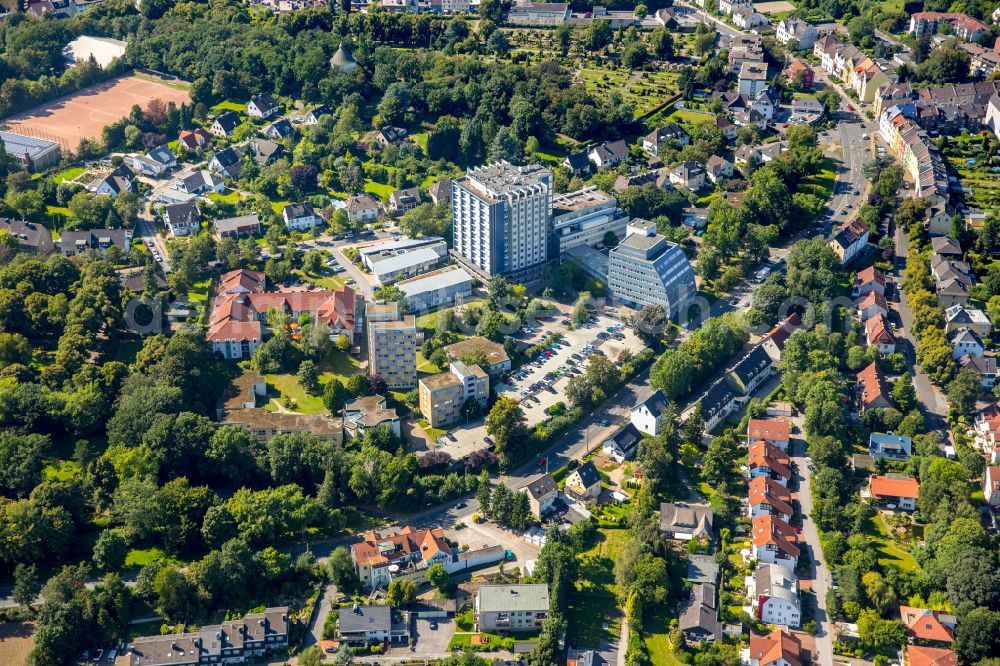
(774, 594)
(774, 541)
(647, 414)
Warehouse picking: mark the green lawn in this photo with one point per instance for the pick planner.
(380, 190)
(889, 553)
(690, 116)
(140, 557)
(594, 603)
(58, 210)
(464, 621)
(658, 641)
(62, 471)
(229, 106)
(287, 386)
(279, 206)
(433, 433)
(331, 281)
(68, 174)
(179, 85)
(821, 184)
(420, 138)
(231, 196)
(199, 292)
(423, 365)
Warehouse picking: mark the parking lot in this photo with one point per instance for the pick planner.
(542, 382)
(432, 641)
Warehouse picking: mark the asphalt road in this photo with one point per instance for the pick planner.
(145, 229)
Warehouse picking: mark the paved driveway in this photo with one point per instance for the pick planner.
(432, 641)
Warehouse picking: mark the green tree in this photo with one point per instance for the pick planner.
(506, 424)
(342, 571)
(110, 550)
(308, 377)
(401, 592)
(438, 577)
(334, 395)
(26, 584)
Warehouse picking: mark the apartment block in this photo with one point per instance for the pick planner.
(392, 345)
(443, 396)
(501, 219)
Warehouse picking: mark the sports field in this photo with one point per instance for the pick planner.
(84, 114)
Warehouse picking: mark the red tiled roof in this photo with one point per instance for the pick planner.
(878, 331)
(776, 645)
(770, 530)
(764, 490)
(873, 298)
(780, 333)
(873, 385)
(770, 429)
(871, 274)
(918, 655)
(427, 542)
(925, 624)
(883, 486)
(762, 454)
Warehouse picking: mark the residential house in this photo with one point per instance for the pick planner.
(624, 444)
(792, 72)
(718, 168)
(944, 269)
(440, 191)
(752, 78)
(887, 446)
(264, 425)
(313, 115)
(702, 569)
(773, 541)
(343, 59)
(672, 134)
(31, 237)
(952, 291)
(542, 494)
(796, 34)
(872, 305)
(745, 18)
(878, 334)
(647, 414)
(497, 359)
(681, 521)
(895, 490)
(985, 366)
(155, 163)
(928, 625)
(727, 7)
(779, 648)
(359, 625)
(379, 559)
(774, 341)
(264, 151)
(658, 177)
(75, 243)
(393, 339)
(182, 219)
(225, 124)
(580, 657)
(200, 182)
(766, 460)
(873, 392)
(262, 106)
(226, 162)
(369, 412)
(991, 485)
(744, 48)
(238, 227)
(247, 639)
(390, 136)
(361, 208)
(279, 129)
(946, 246)
(920, 655)
(430, 291)
(511, 607)
(688, 175)
(773, 591)
(699, 619)
(751, 371)
(775, 432)
(849, 240)
(959, 316)
(868, 280)
(728, 129)
(809, 108)
(199, 138)
(118, 181)
(768, 497)
(403, 201)
(964, 342)
(300, 216)
(578, 164)
(583, 484)
(609, 153)
(718, 402)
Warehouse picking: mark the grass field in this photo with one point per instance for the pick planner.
(643, 90)
(68, 174)
(278, 206)
(592, 614)
(229, 106)
(658, 641)
(199, 292)
(889, 553)
(821, 184)
(59, 210)
(62, 471)
(231, 196)
(287, 386)
(433, 433)
(140, 557)
(380, 190)
(330, 281)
